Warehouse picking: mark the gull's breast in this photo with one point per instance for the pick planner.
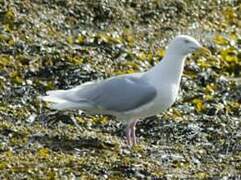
(166, 96)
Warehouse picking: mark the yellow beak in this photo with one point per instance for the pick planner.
(203, 51)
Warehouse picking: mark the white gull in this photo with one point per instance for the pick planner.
(131, 97)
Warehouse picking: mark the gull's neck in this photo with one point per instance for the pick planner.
(169, 69)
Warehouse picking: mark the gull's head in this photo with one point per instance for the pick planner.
(184, 45)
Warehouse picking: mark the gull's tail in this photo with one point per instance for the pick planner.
(58, 100)
(69, 99)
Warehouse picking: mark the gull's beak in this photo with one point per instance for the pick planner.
(203, 51)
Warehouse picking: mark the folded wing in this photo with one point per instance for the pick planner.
(118, 94)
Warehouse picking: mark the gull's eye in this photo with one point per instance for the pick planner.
(186, 41)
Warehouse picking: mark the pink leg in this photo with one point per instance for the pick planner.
(128, 135)
(130, 132)
(133, 132)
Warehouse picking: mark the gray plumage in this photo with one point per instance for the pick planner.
(118, 94)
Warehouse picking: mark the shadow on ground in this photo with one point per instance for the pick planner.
(66, 144)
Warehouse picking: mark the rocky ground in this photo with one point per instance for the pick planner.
(58, 44)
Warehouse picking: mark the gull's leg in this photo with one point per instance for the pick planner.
(133, 131)
(128, 135)
(130, 132)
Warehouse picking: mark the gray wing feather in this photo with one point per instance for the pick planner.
(117, 94)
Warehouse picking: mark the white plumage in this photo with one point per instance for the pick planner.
(133, 96)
